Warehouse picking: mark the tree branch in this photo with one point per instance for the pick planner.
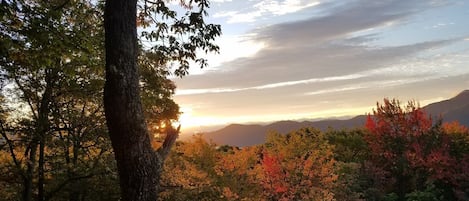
(171, 136)
(11, 149)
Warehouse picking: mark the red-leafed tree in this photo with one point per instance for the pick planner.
(275, 177)
(298, 166)
(459, 150)
(407, 147)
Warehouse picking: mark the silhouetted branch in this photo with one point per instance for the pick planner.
(10, 147)
(171, 136)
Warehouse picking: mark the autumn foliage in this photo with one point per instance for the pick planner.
(410, 151)
(401, 154)
(298, 166)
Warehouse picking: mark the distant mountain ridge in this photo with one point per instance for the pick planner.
(454, 109)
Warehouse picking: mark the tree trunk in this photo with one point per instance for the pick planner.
(138, 165)
(40, 181)
(39, 138)
(27, 193)
(42, 127)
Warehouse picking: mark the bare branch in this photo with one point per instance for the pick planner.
(171, 136)
(11, 148)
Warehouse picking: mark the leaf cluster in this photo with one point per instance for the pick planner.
(177, 40)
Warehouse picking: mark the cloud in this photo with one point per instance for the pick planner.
(425, 69)
(343, 20)
(368, 85)
(267, 86)
(265, 8)
(285, 7)
(440, 25)
(220, 1)
(326, 57)
(230, 46)
(277, 68)
(318, 47)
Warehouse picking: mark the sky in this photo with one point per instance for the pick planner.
(316, 59)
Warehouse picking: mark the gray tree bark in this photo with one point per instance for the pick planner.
(138, 164)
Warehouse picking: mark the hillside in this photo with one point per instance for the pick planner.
(454, 109)
(246, 135)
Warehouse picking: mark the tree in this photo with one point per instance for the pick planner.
(351, 152)
(459, 150)
(409, 152)
(56, 142)
(349, 145)
(237, 171)
(47, 56)
(138, 164)
(189, 172)
(298, 166)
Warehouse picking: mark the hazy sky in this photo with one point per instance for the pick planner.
(293, 59)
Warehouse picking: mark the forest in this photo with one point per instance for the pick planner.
(400, 154)
(56, 143)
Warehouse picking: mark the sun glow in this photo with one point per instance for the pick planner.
(190, 119)
(230, 47)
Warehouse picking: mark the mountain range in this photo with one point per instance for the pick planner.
(454, 109)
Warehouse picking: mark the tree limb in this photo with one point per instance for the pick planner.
(11, 149)
(171, 136)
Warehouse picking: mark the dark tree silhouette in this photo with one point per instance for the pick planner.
(138, 164)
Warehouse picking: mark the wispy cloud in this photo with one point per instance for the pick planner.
(441, 25)
(343, 20)
(265, 8)
(368, 85)
(284, 7)
(268, 86)
(279, 68)
(325, 57)
(206, 91)
(220, 1)
(439, 66)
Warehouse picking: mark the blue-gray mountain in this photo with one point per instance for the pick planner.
(454, 109)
